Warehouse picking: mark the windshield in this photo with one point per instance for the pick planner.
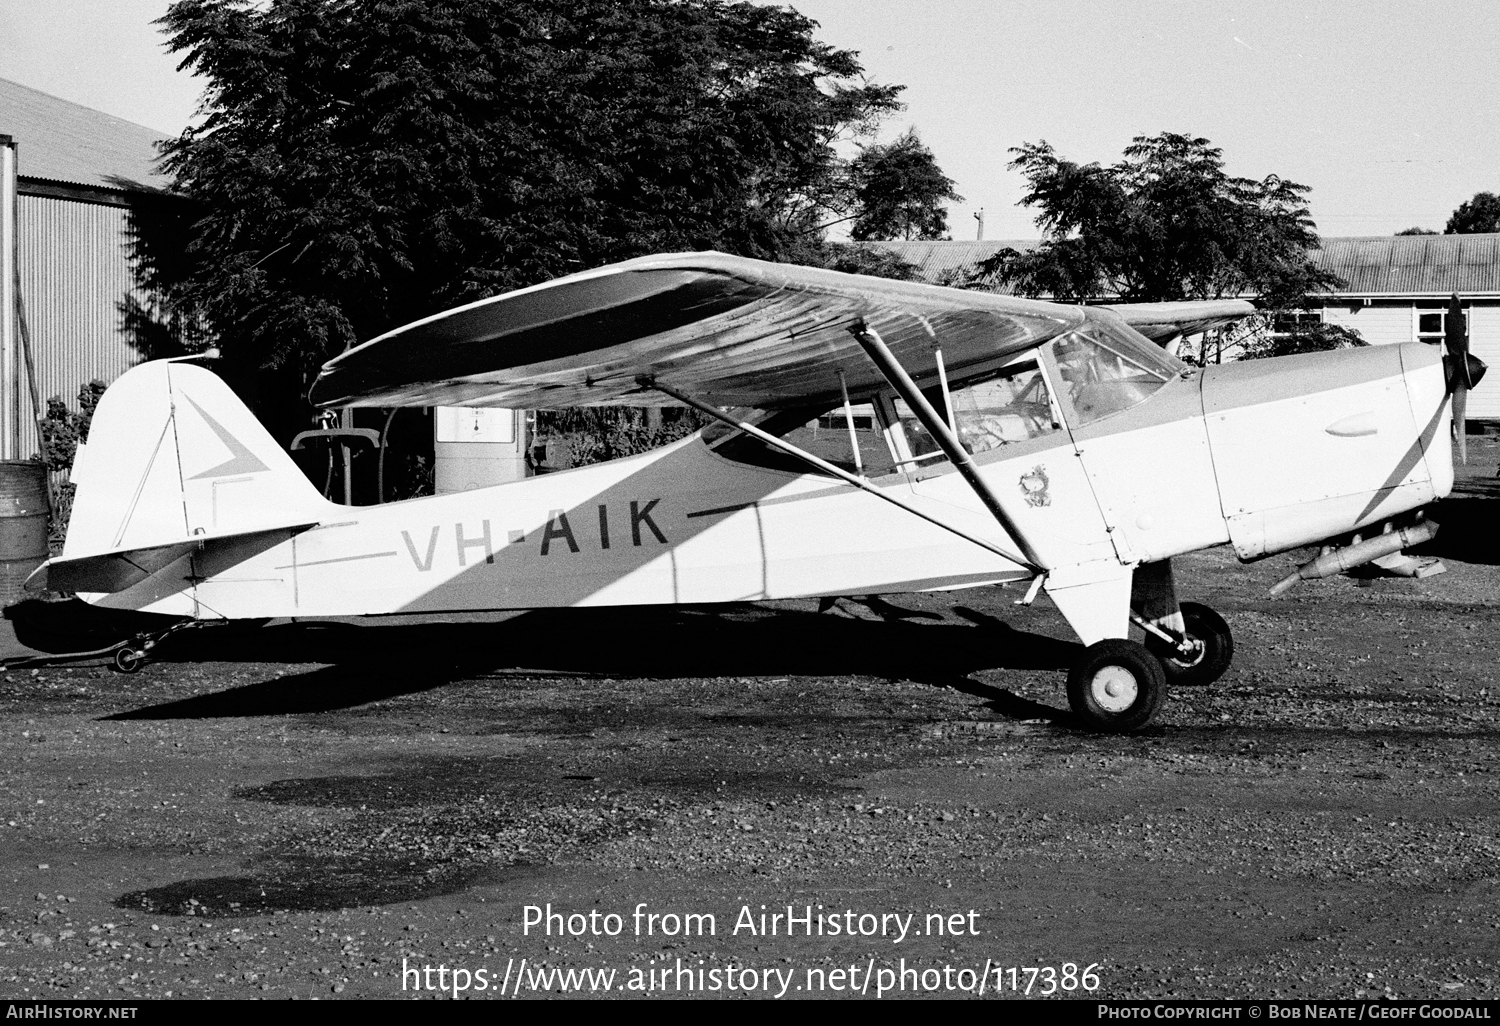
(1102, 370)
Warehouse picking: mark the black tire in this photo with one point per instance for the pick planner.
(1109, 700)
(1208, 629)
(128, 660)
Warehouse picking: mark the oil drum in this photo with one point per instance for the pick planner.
(23, 524)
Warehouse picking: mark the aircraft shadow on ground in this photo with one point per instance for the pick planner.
(1467, 530)
(368, 662)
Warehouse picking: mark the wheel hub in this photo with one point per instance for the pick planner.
(1114, 688)
(1190, 652)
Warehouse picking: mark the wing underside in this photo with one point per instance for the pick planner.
(734, 331)
(729, 330)
(1161, 322)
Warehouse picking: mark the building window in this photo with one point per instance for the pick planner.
(1432, 324)
(1289, 322)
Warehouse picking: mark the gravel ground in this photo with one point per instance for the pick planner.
(302, 809)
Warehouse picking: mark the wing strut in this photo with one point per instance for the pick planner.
(859, 463)
(829, 468)
(896, 375)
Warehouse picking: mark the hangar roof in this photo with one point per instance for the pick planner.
(59, 141)
(1413, 265)
(935, 259)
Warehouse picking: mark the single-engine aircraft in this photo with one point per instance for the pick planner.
(1017, 441)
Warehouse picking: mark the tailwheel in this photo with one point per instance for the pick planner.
(128, 659)
(1210, 648)
(1117, 686)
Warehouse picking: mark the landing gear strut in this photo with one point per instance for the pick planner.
(1191, 640)
(1206, 651)
(135, 653)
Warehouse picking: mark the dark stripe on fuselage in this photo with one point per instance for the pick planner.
(720, 509)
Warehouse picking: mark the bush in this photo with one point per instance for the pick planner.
(1311, 338)
(595, 434)
(63, 431)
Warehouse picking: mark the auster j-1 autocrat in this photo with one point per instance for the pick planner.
(1009, 441)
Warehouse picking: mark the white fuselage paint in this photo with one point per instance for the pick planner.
(1242, 454)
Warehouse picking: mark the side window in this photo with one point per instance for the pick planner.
(1011, 408)
(1011, 405)
(822, 433)
(1098, 379)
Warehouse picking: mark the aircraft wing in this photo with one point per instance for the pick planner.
(1161, 322)
(728, 330)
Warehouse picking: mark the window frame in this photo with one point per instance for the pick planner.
(1122, 349)
(1420, 310)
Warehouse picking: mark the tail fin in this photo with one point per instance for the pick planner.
(172, 455)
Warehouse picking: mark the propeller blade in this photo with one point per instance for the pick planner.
(1456, 341)
(1460, 424)
(1463, 374)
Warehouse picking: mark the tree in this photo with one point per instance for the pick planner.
(364, 163)
(1480, 214)
(1416, 231)
(1164, 224)
(899, 190)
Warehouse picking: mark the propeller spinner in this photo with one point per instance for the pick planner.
(1463, 370)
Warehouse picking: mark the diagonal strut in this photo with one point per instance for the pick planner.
(829, 468)
(884, 360)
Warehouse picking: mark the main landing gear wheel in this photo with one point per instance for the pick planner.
(1213, 648)
(1117, 686)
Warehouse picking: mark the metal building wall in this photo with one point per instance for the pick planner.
(74, 274)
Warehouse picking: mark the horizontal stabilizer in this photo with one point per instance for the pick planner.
(111, 572)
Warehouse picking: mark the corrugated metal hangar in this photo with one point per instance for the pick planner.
(66, 177)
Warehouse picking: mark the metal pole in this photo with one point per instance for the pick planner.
(36, 399)
(10, 392)
(385, 433)
(829, 468)
(896, 375)
(346, 421)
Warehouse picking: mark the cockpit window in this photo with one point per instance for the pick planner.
(1011, 408)
(1010, 405)
(1101, 374)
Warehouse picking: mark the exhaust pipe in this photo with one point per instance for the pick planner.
(1358, 554)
